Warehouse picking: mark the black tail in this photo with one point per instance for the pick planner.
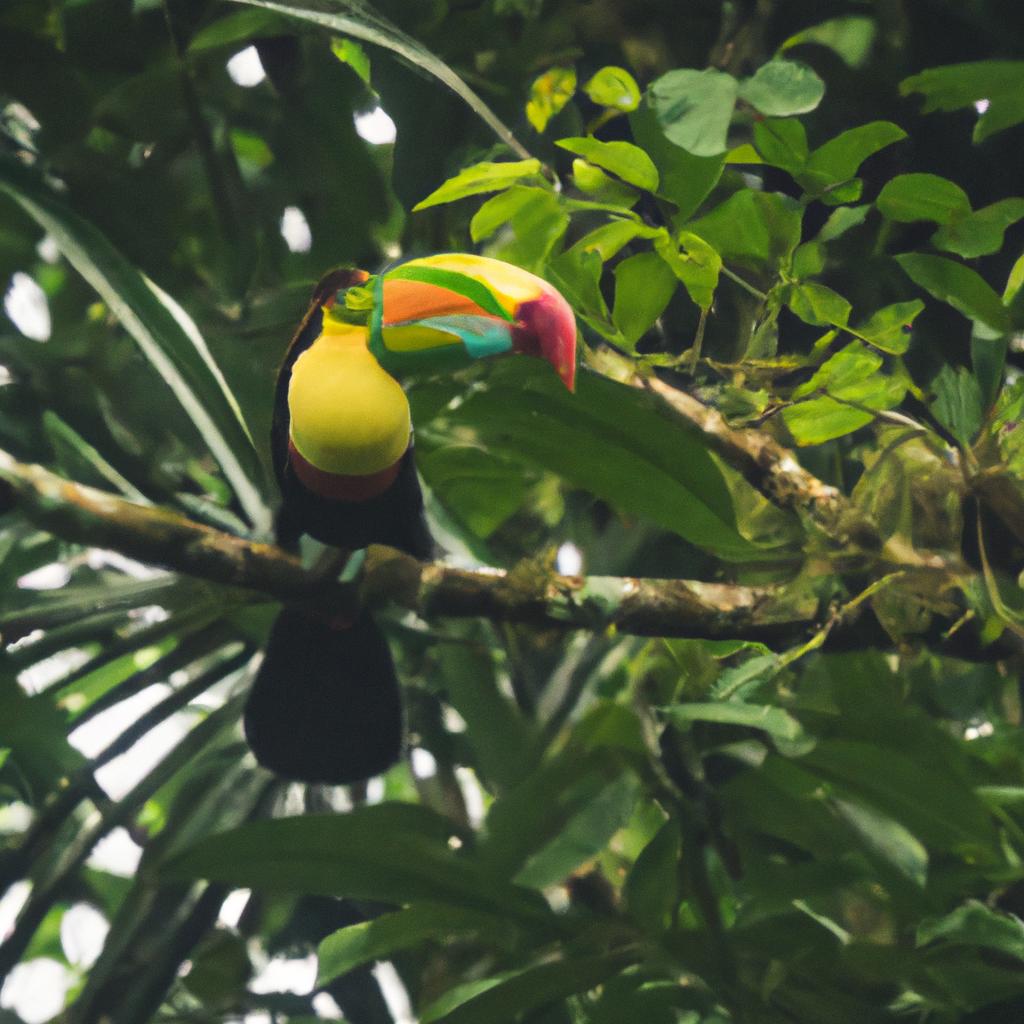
(325, 705)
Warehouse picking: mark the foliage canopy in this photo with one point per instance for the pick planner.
(794, 247)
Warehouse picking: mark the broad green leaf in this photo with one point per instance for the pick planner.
(782, 87)
(979, 233)
(237, 29)
(549, 93)
(695, 108)
(842, 220)
(602, 187)
(886, 839)
(479, 489)
(850, 36)
(603, 439)
(888, 328)
(505, 997)
(958, 402)
(774, 721)
(644, 284)
(623, 159)
(974, 924)
(782, 143)
(576, 273)
(614, 87)
(999, 82)
(817, 304)
(837, 160)
(964, 289)
(823, 419)
(536, 226)
(379, 938)
(929, 800)
(609, 238)
(482, 177)
(808, 260)
(163, 331)
(696, 264)
(759, 229)
(499, 210)
(582, 836)
(363, 22)
(910, 197)
(396, 853)
(651, 889)
(349, 52)
(686, 179)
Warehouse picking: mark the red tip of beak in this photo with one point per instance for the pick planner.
(546, 327)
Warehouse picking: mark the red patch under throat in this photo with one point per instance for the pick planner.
(337, 486)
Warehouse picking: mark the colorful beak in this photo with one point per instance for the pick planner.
(490, 306)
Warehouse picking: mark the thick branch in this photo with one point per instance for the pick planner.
(645, 607)
(770, 467)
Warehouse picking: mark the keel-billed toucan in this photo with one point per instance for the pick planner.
(325, 703)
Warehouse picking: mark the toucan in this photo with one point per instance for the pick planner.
(325, 704)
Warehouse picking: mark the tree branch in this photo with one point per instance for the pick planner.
(770, 467)
(645, 607)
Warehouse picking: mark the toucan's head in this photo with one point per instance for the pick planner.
(483, 305)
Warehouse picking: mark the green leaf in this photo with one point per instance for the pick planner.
(609, 238)
(366, 24)
(974, 924)
(823, 419)
(888, 328)
(697, 265)
(237, 29)
(482, 177)
(603, 439)
(958, 402)
(979, 233)
(808, 260)
(816, 304)
(957, 285)
(782, 87)
(842, 220)
(500, 209)
(850, 36)
(623, 159)
(999, 82)
(838, 159)
(614, 87)
(549, 93)
(910, 197)
(396, 853)
(480, 489)
(506, 996)
(576, 273)
(163, 331)
(935, 805)
(886, 839)
(378, 939)
(583, 835)
(349, 52)
(453, 281)
(774, 721)
(536, 227)
(782, 143)
(651, 889)
(848, 366)
(695, 108)
(602, 187)
(759, 229)
(644, 284)
(686, 179)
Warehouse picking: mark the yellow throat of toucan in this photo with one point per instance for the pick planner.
(347, 415)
